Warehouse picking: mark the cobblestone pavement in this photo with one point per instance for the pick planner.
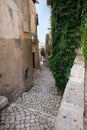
(36, 109)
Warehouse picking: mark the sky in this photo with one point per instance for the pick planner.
(44, 20)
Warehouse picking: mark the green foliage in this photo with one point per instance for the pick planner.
(34, 38)
(36, 41)
(43, 52)
(65, 22)
(84, 31)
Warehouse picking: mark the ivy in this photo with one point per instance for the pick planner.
(66, 19)
(84, 31)
(43, 52)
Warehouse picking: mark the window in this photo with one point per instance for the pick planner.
(37, 22)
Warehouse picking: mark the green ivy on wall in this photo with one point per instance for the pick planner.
(66, 36)
(84, 31)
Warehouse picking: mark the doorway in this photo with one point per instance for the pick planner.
(33, 59)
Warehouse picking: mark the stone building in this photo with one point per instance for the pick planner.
(17, 20)
(33, 29)
(48, 2)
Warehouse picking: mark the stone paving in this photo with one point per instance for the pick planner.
(36, 109)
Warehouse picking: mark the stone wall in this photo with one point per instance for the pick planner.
(15, 48)
(85, 100)
(70, 114)
(32, 14)
(33, 29)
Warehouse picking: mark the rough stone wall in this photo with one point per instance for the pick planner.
(33, 29)
(9, 20)
(85, 91)
(85, 100)
(70, 114)
(32, 14)
(37, 58)
(15, 48)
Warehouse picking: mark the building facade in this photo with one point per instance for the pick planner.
(16, 60)
(33, 29)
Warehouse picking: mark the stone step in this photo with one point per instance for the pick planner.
(3, 102)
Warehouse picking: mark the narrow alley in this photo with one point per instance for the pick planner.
(36, 109)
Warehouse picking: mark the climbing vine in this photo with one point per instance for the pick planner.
(66, 36)
(84, 31)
